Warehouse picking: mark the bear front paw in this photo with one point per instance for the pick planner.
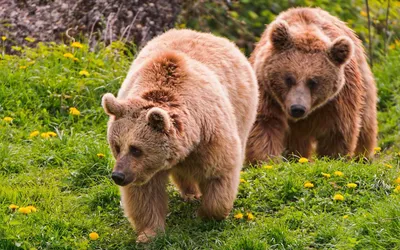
(145, 236)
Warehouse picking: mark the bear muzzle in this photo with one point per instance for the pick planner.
(121, 179)
(297, 111)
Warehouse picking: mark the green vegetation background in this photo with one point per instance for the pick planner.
(69, 184)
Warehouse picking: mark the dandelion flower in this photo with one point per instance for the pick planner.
(77, 45)
(34, 134)
(303, 160)
(326, 175)
(238, 216)
(44, 135)
(30, 39)
(75, 59)
(397, 189)
(93, 236)
(74, 111)
(397, 181)
(377, 150)
(8, 119)
(363, 13)
(345, 216)
(338, 173)
(69, 55)
(84, 73)
(267, 167)
(32, 208)
(250, 216)
(23, 67)
(52, 134)
(3, 38)
(351, 185)
(242, 180)
(13, 207)
(308, 185)
(100, 155)
(388, 165)
(24, 210)
(338, 197)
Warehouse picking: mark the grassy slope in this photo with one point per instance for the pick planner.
(69, 184)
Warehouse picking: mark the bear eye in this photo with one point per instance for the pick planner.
(312, 83)
(289, 80)
(135, 151)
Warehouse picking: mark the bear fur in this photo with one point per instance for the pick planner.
(184, 110)
(316, 89)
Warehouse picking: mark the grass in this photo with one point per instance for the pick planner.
(69, 184)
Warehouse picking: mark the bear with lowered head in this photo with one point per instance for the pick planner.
(184, 110)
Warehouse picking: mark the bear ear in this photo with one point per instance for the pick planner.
(159, 119)
(111, 105)
(341, 50)
(280, 35)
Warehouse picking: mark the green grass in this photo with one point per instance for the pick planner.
(70, 186)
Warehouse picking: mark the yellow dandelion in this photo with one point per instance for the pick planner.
(242, 180)
(377, 150)
(34, 134)
(13, 207)
(75, 59)
(338, 173)
(69, 55)
(238, 216)
(8, 119)
(52, 134)
(93, 236)
(84, 73)
(397, 189)
(397, 181)
(363, 13)
(23, 67)
(267, 167)
(77, 45)
(308, 185)
(338, 197)
(326, 175)
(303, 160)
(44, 135)
(345, 216)
(351, 185)
(74, 111)
(32, 208)
(3, 38)
(100, 155)
(250, 216)
(392, 46)
(388, 165)
(30, 39)
(24, 210)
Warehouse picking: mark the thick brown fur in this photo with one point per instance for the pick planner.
(308, 57)
(184, 110)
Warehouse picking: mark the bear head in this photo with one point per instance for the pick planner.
(142, 138)
(304, 69)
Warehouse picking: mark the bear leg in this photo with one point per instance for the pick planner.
(367, 139)
(146, 206)
(299, 145)
(266, 140)
(218, 196)
(335, 145)
(187, 186)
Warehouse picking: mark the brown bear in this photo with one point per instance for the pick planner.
(185, 109)
(316, 89)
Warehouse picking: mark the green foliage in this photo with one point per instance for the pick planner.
(69, 184)
(243, 21)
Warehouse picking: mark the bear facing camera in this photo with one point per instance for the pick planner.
(181, 113)
(316, 90)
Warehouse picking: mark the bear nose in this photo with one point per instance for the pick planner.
(297, 111)
(118, 177)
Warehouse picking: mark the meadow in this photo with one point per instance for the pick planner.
(54, 157)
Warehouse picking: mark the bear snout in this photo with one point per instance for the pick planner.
(297, 110)
(120, 178)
